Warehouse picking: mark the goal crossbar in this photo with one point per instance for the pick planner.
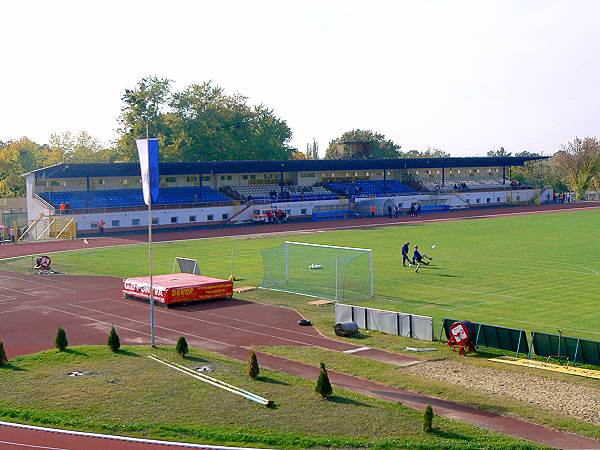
(329, 246)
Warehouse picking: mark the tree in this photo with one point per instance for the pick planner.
(383, 148)
(499, 153)
(312, 150)
(428, 419)
(61, 341)
(253, 369)
(200, 123)
(182, 347)
(431, 152)
(18, 157)
(114, 343)
(323, 386)
(578, 163)
(79, 148)
(3, 358)
(144, 105)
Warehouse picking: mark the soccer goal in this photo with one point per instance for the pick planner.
(186, 265)
(323, 271)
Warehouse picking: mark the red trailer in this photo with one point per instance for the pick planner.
(178, 288)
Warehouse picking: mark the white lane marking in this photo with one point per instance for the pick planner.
(146, 323)
(356, 350)
(19, 444)
(219, 324)
(104, 322)
(122, 438)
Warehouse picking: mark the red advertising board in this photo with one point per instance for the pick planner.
(178, 288)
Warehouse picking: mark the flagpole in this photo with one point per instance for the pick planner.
(152, 334)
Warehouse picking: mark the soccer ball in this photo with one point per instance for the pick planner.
(433, 246)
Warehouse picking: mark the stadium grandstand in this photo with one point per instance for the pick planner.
(196, 193)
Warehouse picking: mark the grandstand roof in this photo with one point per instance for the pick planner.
(303, 165)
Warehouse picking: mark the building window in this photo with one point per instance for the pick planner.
(303, 211)
(518, 198)
(170, 179)
(173, 219)
(155, 221)
(468, 201)
(244, 177)
(229, 177)
(478, 201)
(94, 225)
(135, 222)
(488, 200)
(253, 177)
(497, 199)
(222, 177)
(192, 218)
(191, 179)
(205, 178)
(225, 216)
(209, 217)
(116, 223)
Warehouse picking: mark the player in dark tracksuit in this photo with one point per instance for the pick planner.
(405, 258)
(418, 258)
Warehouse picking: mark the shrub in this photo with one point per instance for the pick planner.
(323, 387)
(3, 358)
(182, 347)
(114, 343)
(253, 369)
(61, 342)
(428, 419)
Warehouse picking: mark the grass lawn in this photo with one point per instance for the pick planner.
(126, 393)
(537, 272)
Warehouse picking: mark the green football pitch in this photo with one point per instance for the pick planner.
(539, 272)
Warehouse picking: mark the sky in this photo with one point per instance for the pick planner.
(462, 76)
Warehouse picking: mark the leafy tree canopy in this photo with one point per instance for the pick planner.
(382, 148)
(200, 123)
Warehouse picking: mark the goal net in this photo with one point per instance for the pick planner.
(186, 265)
(324, 271)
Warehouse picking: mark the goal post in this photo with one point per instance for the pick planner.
(186, 265)
(324, 271)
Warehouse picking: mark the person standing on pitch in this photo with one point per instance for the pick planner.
(405, 258)
(418, 258)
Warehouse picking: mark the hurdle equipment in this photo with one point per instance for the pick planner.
(321, 271)
(178, 288)
(214, 382)
(186, 265)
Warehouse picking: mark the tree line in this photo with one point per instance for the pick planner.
(202, 122)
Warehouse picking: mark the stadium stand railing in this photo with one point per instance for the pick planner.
(502, 338)
(130, 199)
(372, 188)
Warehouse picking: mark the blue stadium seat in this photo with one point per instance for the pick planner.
(375, 188)
(118, 198)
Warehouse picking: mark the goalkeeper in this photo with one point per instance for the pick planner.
(419, 258)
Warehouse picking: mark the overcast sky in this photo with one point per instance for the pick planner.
(463, 76)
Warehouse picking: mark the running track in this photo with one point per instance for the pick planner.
(88, 306)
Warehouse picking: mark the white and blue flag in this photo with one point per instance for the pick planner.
(148, 153)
